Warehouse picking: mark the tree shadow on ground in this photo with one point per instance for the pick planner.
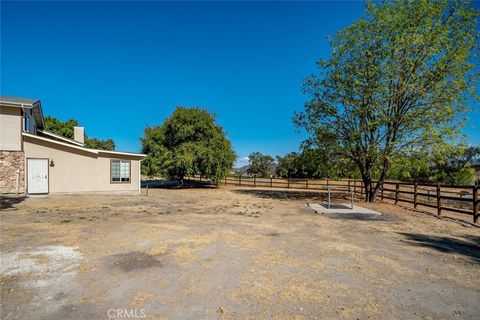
(360, 217)
(173, 184)
(282, 194)
(475, 239)
(8, 202)
(469, 249)
(292, 195)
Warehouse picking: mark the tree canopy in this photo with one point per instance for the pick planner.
(260, 165)
(398, 79)
(189, 142)
(315, 163)
(65, 129)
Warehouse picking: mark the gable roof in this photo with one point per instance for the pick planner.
(29, 103)
(34, 136)
(23, 102)
(93, 151)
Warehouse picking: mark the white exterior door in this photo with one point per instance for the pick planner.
(37, 170)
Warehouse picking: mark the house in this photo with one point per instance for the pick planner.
(35, 161)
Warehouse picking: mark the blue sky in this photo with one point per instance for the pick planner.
(119, 66)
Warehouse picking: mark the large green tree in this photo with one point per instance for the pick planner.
(65, 129)
(315, 162)
(398, 78)
(260, 165)
(447, 164)
(289, 165)
(455, 166)
(189, 142)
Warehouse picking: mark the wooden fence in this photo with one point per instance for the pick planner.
(459, 199)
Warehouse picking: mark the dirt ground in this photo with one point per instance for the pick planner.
(231, 254)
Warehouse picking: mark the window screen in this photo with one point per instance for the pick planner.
(120, 171)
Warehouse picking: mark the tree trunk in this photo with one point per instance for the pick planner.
(367, 182)
(371, 188)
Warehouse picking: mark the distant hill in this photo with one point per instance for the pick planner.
(241, 170)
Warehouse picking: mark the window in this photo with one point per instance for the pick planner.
(26, 123)
(120, 171)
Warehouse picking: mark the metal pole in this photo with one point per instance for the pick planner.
(18, 181)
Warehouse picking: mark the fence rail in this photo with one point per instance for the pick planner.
(458, 199)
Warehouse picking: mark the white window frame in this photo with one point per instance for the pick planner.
(123, 174)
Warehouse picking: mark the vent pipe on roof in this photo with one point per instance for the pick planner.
(78, 134)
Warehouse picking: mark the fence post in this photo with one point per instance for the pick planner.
(254, 181)
(382, 189)
(329, 197)
(348, 185)
(439, 200)
(226, 180)
(240, 180)
(306, 183)
(475, 207)
(397, 187)
(271, 182)
(288, 183)
(415, 195)
(351, 197)
(355, 187)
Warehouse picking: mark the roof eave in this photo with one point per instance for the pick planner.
(140, 155)
(50, 134)
(94, 151)
(16, 104)
(59, 143)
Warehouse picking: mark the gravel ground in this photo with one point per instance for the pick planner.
(231, 254)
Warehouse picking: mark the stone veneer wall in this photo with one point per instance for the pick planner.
(10, 162)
